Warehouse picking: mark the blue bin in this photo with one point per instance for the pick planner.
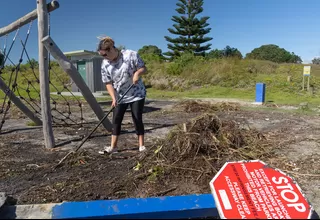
(260, 92)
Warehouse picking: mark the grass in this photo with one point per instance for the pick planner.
(204, 92)
(275, 96)
(27, 79)
(297, 111)
(31, 123)
(194, 77)
(291, 98)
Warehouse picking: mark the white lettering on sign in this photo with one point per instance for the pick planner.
(241, 212)
(251, 180)
(255, 202)
(282, 208)
(257, 194)
(233, 192)
(240, 195)
(255, 179)
(288, 194)
(245, 207)
(248, 187)
(243, 195)
(265, 176)
(238, 190)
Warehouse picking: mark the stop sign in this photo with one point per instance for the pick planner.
(251, 189)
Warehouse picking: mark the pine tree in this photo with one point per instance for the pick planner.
(191, 30)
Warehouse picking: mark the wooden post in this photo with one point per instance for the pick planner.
(18, 103)
(26, 19)
(44, 74)
(70, 69)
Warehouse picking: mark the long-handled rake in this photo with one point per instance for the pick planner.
(88, 136)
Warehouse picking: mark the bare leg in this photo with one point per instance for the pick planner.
(112, 148)
(118, 114)
(141, 140)
(114, 141)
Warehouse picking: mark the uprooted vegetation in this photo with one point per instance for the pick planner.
(190, 106)
(183, 162)
(195, 151)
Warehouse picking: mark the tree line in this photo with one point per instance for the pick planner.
(191, 36)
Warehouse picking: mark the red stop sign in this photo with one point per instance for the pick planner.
(251, 189)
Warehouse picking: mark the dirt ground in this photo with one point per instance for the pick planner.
(284, 140)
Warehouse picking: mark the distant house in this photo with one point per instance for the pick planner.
(88, 64)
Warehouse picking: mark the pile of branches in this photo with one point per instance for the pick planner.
(190, 106)
(200, 147)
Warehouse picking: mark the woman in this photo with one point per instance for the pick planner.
(120, 69)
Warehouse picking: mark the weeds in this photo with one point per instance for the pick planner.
(189, 71)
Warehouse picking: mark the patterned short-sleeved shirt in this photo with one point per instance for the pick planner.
(120, 74)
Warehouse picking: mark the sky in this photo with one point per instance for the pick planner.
(242, 24)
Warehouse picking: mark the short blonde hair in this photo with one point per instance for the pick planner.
(105, 43)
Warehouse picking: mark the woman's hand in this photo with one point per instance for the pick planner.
(135, 78)
(111, 92)
(137, 74)
(114, 103)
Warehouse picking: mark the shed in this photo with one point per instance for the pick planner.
(88, 64)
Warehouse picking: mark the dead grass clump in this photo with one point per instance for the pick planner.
(79, 158)
(228, 106)
(190, 106)
(199, 148)
(205, 135)
(208, 136)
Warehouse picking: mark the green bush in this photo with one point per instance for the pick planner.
(185, 63)
(187, 60)
(174, 69)
(151, 58)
